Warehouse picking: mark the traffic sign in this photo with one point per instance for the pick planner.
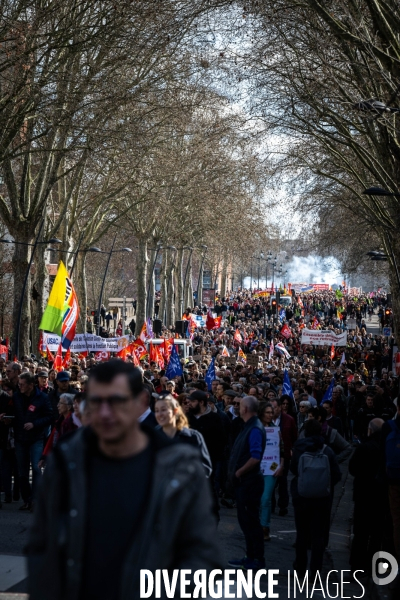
(387, 331)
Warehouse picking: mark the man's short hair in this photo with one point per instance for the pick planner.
(105, 372)
(252, 403)
(28, 377)
(15, 367)
(312, 427)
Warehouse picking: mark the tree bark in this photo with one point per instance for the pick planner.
(79, 281)
(39, 293)
(20, 263)
(170, 318)
(163, 289)
(141, 298)
(188, 303)
(179, 282)
(223, 276)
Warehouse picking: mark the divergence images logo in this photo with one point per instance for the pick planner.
(384, 568)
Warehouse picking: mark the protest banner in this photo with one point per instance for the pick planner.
(319, 337)
(88, 341)
(271, 458)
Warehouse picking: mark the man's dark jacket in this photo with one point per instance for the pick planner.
(313, 443)
(240, 453)
(36, 410)
(289, 434)
(178, 528)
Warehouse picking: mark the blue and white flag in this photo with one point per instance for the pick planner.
(210, 375)
(329, 392)
(287, 386)
(174, 366)
(282, 314)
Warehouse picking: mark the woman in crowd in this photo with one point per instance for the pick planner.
(173, 423)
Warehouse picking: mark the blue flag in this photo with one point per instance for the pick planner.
(210, 375)
(174, 366)
(329, 392)
(287, 386)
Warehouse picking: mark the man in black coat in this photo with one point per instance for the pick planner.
(370, 498)
(312, 514)
(33, 415)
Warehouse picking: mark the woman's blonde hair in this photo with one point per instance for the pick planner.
(181, 420)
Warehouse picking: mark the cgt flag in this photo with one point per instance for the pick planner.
(210, 375)
(174, 366)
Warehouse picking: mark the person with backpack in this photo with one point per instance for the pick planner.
(391, 452)
(316, 472)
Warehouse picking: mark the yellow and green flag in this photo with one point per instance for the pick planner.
(53, 315)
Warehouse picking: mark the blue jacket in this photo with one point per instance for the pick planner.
(36, 410)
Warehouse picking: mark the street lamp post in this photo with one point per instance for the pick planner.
(34, 245)
(110, 253)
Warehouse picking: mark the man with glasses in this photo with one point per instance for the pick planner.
(135, 501)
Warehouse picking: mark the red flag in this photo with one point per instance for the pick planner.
(143, 333)
(82, 355)
(225, 351)
(332, 352)
(160, 358)
(58, 362)
(67, 358)
(237, 337)
(139, 349)
(217, 322)
(40, 344)
(50, 356)
(285, 331)
(210, 321)
(152, 353)
(122, 353)
(102, 355)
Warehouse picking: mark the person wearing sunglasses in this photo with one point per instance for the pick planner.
(128, 498)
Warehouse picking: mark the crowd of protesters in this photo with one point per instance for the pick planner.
(234, 420)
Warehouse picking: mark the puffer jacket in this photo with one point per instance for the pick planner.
(178, 529)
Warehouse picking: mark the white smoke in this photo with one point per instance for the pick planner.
(301, 269)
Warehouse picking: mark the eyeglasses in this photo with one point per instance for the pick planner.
(236, 403)
(116, 400)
